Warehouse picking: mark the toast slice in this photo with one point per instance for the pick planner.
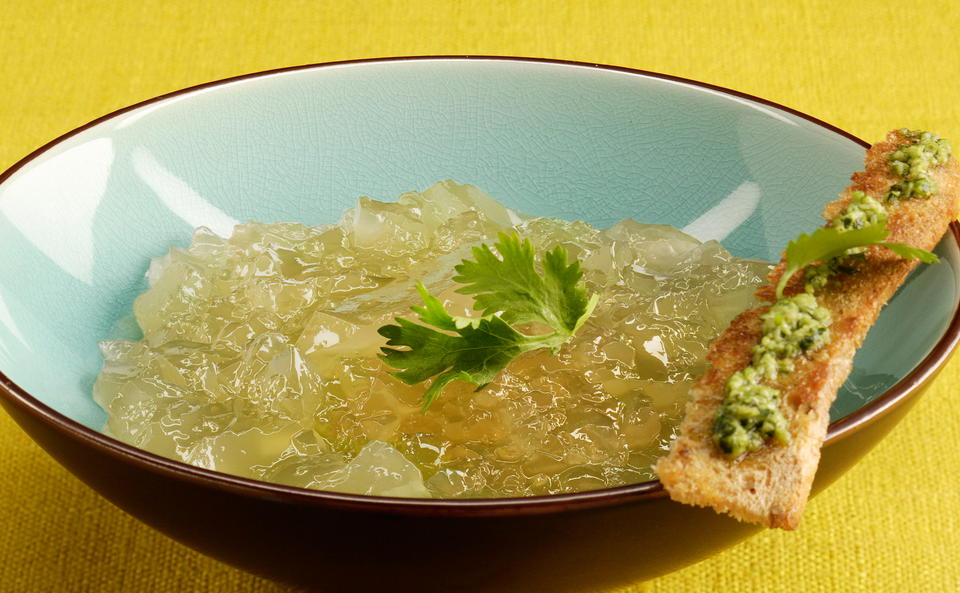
(770, 485)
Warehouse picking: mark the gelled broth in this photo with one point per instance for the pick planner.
(259, 354)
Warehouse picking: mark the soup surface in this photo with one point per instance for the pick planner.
(259, 354)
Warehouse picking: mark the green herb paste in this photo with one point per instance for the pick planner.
(860, 212)
(816, 277)
(913, 161)
(793, 326)
(750, 412)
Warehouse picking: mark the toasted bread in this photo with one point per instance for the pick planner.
(771, 485)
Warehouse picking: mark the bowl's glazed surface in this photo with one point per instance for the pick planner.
(81, 218)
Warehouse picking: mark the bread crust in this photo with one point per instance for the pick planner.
(771, 485)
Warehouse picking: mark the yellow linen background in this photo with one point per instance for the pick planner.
(891, 524)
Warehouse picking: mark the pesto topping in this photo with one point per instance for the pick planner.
(750, 412)
(749, 415)
(791, 327)
(926, 150)
(922, 187)
(860, 212)
(913, 161)
(818, 276)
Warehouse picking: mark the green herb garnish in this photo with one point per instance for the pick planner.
(827, 243)
(913, 162)
(749, 415)
(508, 290)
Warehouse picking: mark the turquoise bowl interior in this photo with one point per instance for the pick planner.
(81, 218)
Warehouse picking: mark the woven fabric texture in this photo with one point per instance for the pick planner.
(891, 524)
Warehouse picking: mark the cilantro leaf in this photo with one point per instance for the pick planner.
(907, 252)
(474, 354)
(827, 243)
(510, 286)
(508, 290)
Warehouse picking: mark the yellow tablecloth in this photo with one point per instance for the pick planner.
(891, 524)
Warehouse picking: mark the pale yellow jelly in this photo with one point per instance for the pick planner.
(259, 355)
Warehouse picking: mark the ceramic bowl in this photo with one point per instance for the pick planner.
(81, 217)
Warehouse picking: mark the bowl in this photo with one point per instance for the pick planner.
(81, 217)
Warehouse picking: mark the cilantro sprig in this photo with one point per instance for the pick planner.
(508, 290)
(828, 243)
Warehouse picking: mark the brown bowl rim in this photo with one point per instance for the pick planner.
(839, 429)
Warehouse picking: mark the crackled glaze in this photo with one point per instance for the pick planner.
(80, 222)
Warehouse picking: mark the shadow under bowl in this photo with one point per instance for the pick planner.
(81, 217)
